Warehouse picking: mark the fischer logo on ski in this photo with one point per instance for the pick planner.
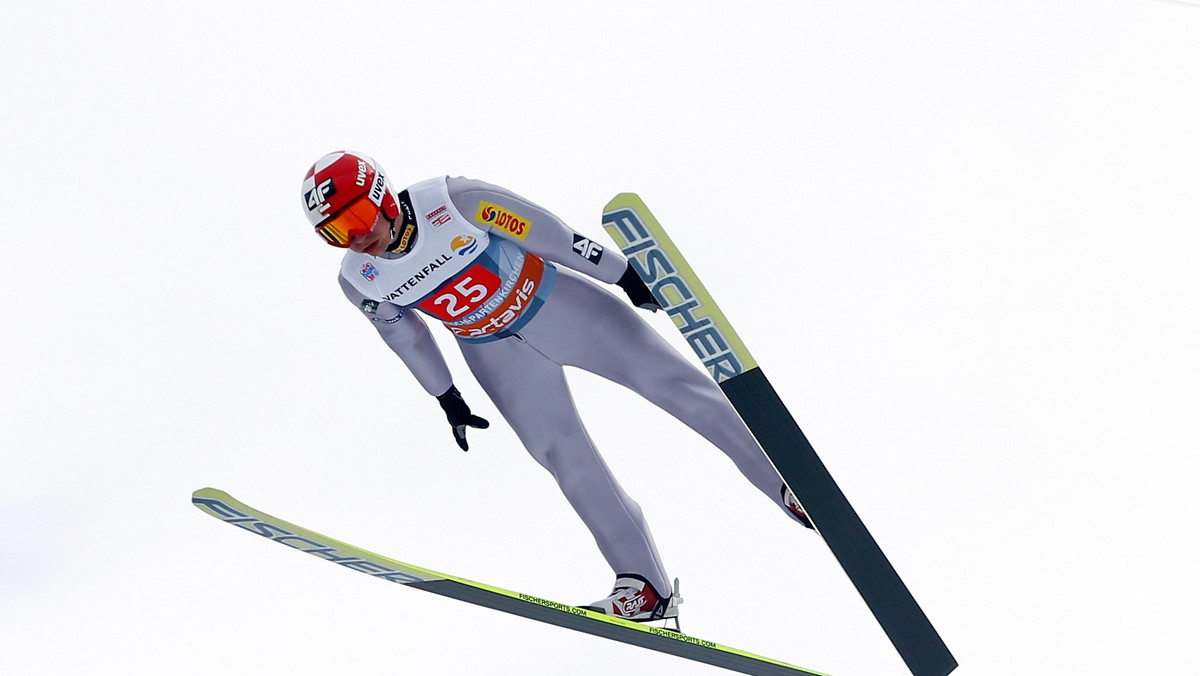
(277, 533)
(687, 303)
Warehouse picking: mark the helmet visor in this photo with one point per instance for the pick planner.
(356, 219)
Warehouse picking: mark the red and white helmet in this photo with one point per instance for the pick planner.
(343, 194)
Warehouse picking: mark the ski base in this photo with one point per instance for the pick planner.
(221, 505)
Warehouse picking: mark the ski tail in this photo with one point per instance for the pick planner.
(678, 289)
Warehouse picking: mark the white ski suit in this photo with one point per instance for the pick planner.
(503, 275)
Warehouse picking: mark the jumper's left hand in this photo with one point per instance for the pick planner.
(639, 294)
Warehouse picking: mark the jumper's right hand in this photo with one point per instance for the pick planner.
(459, 415)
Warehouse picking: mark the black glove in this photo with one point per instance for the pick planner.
(639, 294)
(459, 415)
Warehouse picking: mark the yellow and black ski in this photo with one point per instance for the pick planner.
(220, 505)
(678, 290)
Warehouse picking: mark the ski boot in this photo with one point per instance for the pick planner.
(634, 598)
(793, 507)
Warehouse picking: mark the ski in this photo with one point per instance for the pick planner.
(221, 505)
(677, 288)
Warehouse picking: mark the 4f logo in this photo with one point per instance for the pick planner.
(587, 249)
(317, 199)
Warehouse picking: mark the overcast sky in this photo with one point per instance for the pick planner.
(960, 238)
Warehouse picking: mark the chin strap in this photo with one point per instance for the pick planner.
(404, 215)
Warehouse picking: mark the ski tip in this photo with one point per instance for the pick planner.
(208, 492)
(623, 199)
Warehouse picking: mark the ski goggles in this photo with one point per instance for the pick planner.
(356, 219)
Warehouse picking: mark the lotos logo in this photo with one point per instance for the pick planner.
(368, 271)
(499, 217)
(464, 245)
(317, 198)
(405, 238)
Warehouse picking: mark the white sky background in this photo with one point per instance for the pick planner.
(959, 237)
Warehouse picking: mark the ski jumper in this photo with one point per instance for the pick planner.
(507, 278)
